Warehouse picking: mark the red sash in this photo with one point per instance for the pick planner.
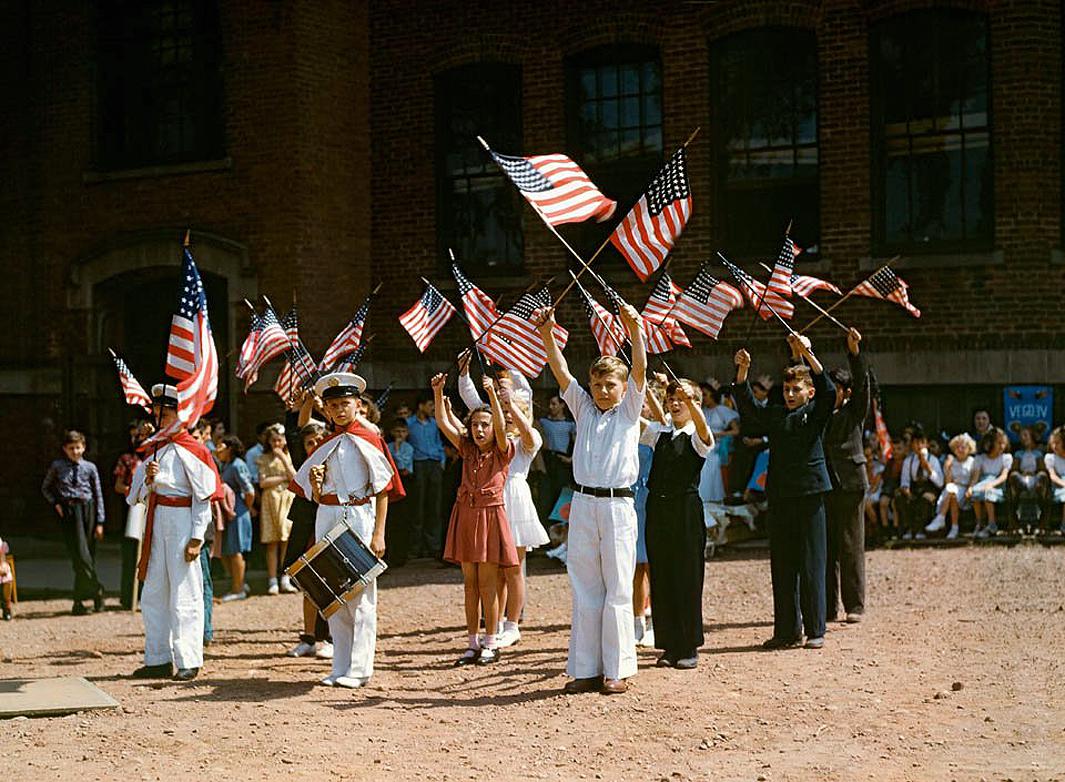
(146, 540)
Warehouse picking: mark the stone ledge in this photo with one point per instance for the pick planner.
(150, 172)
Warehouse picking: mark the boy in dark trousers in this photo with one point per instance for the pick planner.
(796, 484)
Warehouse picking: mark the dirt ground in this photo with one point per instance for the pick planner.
(957, 673)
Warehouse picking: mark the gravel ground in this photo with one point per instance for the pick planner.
(956, 673)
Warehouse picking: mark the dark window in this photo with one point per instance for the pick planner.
(764, 130)
(479, 211)
(932, 179)
(614, 127)
(160, 86)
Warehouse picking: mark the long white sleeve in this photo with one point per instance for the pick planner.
(468, 392)
(201, 517)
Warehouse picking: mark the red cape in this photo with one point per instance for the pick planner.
(395, 486)
(197, 449)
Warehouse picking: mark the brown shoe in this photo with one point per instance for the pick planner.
(614, 686)
(577, 686)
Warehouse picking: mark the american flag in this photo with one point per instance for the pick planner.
(886, 285)
(479, 309)
(132, 390)
(382, 400)
(351, 361)
(661, 330)
(297, 372)
(192, 352)
(426, 317)
(556, 187)
(804, 285)
(290, 324)
(706, 302)
(883, 439)
(766, 301)
(348, 339)
(647, 234)
(608, 333)
(272, 341)
(784, 269)
(250, 345)
(515, 344)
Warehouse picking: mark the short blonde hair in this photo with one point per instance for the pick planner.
(960, 439)
(609, 365)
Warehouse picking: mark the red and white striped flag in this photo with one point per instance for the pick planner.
(478, 307)
(647, 234)
(132, 390)
(804, 285)
(766, 301)
(883, 438)
(706, 302)
(297, 372)
(661, 330)
(347, 341)
(426, 317)
(250, 345)
(515, 344)
(556, 187)
(270, 343)
(608, 333)
(784, 269)
(888, 286)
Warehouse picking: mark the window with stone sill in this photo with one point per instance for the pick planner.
(931, 129)
(479, 213)
(159, 83)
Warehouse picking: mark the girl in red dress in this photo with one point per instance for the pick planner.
(478, 535)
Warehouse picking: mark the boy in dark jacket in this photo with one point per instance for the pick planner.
(796, 484)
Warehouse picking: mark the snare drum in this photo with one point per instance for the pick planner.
(336, 569)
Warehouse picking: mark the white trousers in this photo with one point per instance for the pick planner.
(172, 600)
(353, 627)
(601, 561)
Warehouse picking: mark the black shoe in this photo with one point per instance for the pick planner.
(164, 671)
(782, 643)
(488, 657)
(186, 674)
(688, 662)
(7, 613)
(469, 657)
(666, 660)
(98, 603)
(79, 609)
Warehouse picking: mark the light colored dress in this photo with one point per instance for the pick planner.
(525, 526)
(274, 523)
(646, 452)
(986, 470)
(1056, 465)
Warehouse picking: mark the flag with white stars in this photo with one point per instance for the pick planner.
(556, 187)
(426, 317)
(347, 341)
(886, 285)
(132, 390)
(761, 298)
(706, 302)
(514, 343)
(662, 332)
(647, 234)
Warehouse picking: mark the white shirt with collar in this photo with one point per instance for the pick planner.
(605, 449)
(701, 448)
(911, 470)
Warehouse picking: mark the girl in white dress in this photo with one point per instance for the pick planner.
(957, 475)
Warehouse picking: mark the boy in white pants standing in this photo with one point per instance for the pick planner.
(602, 526)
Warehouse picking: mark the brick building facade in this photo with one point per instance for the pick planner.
(319, 148)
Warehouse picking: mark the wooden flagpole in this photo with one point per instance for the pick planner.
(765, 304)
(847, 295)
(813, 304)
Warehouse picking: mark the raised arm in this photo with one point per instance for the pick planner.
(753, 415)
(696, 412)
(858, 408)
(521, 423)
(657, 413)
(467, 390)
(544, 321)
(499, 423)
(443, 422)
(633, 324)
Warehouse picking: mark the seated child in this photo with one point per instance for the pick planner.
(1028, 479)
(1055, 464)
(957, 475)
(989, 476)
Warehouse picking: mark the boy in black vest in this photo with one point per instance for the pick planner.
(796, 484)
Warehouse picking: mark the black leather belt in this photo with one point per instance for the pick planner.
(595, 491)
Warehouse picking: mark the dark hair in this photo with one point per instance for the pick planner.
(261, 427)
(200, 425)
(841, 376)
(314, 428)
(422, 398)
(758, 384)
(73, 436)
(918, 433)
(399, 423)
(799, 372)
(469, 418)
(372, 411)
(987, 442)
(235, 446)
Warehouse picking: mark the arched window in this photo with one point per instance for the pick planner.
(932, 177)
(764, 129)
(479, 211)
(159, 83)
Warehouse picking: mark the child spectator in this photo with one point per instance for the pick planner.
(874, 473)
(889, 517)
(559, 432)
(237, 542)
(957, 475)
(989, 477)
(397, 531)
(1055, 465)
(1028, 479)
(425, 487)
(72, 487)
(275, 473)
(919, 487)
(6, 579)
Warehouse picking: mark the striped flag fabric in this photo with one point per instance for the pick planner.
(272, 341)
(766, 301)
(706, 302)
(297, 372)
(647, 234)
(382, 400)
(804, 285)
(347, 340)
(661, 330)
(192, 352)
(351, 361)
(883, 438)
(250, 345)
(608, 333)
(132, 390)
(426, 317)
(784, 269)
(290, 324)
(556, 187)
(515, 344)
(478, 307)
(886, 285)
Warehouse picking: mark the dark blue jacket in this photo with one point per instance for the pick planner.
(796, 456)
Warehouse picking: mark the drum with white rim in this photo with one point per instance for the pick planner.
(336, 569)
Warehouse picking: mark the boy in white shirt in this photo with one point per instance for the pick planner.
(919, 487)
(601, 551)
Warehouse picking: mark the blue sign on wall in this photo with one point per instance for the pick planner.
(1027, 406)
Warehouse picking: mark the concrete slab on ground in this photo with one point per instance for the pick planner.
(51, 697)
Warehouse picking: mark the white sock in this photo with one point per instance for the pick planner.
(475, 642)
(509, 626)
(499, 628)
(490, 641)
(272, 582)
